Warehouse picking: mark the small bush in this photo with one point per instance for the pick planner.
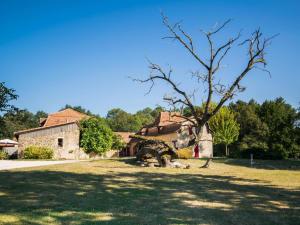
(3, 155)
(278, 152)
(257, 154)
(35, 152)
(185, 153)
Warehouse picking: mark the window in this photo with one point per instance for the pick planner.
(60, 142)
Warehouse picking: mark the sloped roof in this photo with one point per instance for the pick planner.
(125, 136)
(64, 116)
(8, 141)
(42, 128)
(167, 118)
(164, 127)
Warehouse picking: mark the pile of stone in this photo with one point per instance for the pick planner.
(152, 152)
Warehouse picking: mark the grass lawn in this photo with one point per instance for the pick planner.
(118, 192)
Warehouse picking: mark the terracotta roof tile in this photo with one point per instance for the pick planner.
(165, 126)
(60, 118)
(166, 118)
(64, 116)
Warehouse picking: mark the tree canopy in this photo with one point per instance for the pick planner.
(119, 120)
(225, 128)
(18, 119)
(96, 136)
(6, 95)
(268, 130)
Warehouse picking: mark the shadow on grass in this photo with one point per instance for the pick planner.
(126, 163)
(54, 197)
(263, 164)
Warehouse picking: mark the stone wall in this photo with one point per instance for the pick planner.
(48, 137)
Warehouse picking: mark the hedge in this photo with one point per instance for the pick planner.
(36, 152)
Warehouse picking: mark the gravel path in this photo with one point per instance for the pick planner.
(13, 164)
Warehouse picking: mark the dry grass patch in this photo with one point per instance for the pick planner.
(117, 191)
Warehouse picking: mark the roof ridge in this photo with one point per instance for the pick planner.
(64, 116)
(74, 110)
(41, 128)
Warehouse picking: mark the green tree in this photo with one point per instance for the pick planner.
(225, 128)
(41, 114)
(145, 116)
(281, 119)
(253, 132)
(269, 130)
(297, 134)
(155, 112)
(6, 95)
(119, 120)
(16, 120)
(96, 136)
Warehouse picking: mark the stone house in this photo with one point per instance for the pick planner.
(59, 131)
(175, 130)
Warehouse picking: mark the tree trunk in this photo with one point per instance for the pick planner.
(226, 150)
(207, 163)
(198, 139)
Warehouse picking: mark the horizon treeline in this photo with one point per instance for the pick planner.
(270, 130)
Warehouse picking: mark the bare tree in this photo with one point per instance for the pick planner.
(256, 45)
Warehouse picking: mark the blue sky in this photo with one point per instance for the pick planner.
(82, 52)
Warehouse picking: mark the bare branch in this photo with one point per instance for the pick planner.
(225, 48)
(185, 117)
(157, 73)
(188, 37)
(177, 37)
(199, 76)
(256, 52)
(256, 46)
(264, 70)
(174, 101)
(219, 88)
(220, 27)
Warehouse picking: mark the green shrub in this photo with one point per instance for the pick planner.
(185, 153)
(278, 152)
(3, 155)
(295, 151)
(257, 153)
(95, 136)
(36, 152)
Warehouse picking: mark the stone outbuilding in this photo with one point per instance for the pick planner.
(177, 131)
(10, 147)
(59, 131)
